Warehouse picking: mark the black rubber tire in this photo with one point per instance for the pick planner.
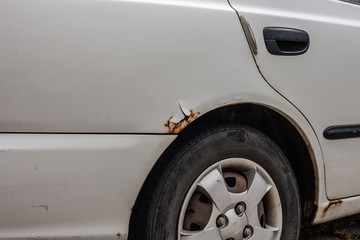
(156, 212)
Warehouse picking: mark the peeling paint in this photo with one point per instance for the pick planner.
(178, 127)
(184, 108)
(181, 118)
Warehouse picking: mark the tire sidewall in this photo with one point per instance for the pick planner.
(236, 142)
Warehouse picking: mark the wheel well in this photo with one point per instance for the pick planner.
(284, 134)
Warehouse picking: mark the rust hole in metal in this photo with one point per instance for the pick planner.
(178, 127)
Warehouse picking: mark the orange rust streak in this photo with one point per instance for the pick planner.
(178, 127)
(331, 203)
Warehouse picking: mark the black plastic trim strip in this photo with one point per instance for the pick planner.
(342, 132)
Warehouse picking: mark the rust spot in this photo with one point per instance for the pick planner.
(331, 203)
(178, 127)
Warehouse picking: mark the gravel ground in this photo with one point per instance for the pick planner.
(342, 229)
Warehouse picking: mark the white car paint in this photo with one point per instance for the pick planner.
(71, 185)
(104, 76)
(322, 83)
(123, 67)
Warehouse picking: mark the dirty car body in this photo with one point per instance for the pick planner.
(93, 93)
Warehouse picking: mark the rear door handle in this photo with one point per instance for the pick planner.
(286, 41)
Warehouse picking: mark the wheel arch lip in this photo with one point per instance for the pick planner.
(195, 112)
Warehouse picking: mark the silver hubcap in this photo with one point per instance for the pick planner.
(234, 199)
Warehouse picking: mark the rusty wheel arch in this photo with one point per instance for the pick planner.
(285, 133)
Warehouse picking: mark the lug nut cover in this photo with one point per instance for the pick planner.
(240, 208)
(221, 221)
(248, 231)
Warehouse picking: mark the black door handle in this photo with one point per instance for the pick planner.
(286, 41)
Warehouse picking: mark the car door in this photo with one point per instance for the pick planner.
(322, 81)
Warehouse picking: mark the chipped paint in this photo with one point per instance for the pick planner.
(178, 127)
(181, 118)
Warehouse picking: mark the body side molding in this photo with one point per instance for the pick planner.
(342, 132)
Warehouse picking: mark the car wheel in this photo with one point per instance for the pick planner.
(228, 182)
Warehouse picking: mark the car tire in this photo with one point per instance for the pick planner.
(224, 182)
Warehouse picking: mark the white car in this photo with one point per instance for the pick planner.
(177, 119)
